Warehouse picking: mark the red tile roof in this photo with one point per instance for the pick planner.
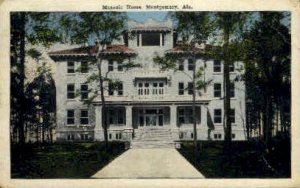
(92, 51)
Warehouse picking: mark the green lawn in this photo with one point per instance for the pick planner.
(247, 160)
(65, 160)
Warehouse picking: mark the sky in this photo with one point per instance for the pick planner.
(143, 16)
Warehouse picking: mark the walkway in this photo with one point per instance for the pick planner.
(149, 163)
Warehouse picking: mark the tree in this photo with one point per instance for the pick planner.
(267, 57)
(104, 28)
(26, 28)
(194, 28)
(230, 24)
(41, 97)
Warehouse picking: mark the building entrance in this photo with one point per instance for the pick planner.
(151, 117)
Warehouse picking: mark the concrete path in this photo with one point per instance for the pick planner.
(149, 163)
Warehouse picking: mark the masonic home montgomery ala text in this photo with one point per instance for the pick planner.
(148, 105)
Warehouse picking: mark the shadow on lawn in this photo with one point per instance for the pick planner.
(62, 160)
(248, 159)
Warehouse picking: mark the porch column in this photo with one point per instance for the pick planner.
(128, 130)
(203, 115)
(98, 131)
(128, 116)
(140, 39)
(173, 122)
(173, 114)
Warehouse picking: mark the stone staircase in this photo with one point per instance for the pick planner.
(152, 138)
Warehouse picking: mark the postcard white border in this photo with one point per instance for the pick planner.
(199, 5)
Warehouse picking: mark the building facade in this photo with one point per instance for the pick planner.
(148, 103)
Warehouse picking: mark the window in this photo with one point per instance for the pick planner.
(84, 136)
(163, 39)
(118, 136)
(84, 117)
(110, 89)
(84, 91)
(70, 137)
(217, 116)
(84, 68)
(190, 64)
(120, 88)
(150, 39)
(232, 115)
(189, 115)
(71, 91)
(161, 88)
(217, 90)
(160, 118)
(140, 88)
(185, 115)
(71, 67)
(181, 116)
(180, 88)
(70, 117)
(231, 68)
(121, 116)
(154, 90)
(217, 66)
(232, 93)
(218, 136)
(146, 88)
(109, 136)
(181, 65)
(190, 88)
(181, 135)
(110, 65)
(141, 117)
(192, 135)
(116, 116)
(233, 136)
(120, 66)
(111, 116)
(151, 88)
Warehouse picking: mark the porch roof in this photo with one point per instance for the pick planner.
(150, 29)
(157, 103)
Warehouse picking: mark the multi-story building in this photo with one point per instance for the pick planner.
(149, 105)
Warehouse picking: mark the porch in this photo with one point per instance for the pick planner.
(126, 122)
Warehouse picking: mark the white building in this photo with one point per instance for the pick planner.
(150, 105)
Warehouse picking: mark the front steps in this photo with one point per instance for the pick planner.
(152, 138)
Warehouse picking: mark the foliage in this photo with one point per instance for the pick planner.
(195, 27)
(40, 95)
(33, 28)
(68, 160)
(247, 161)
(231, 25)
(85, 26)
(267, 56)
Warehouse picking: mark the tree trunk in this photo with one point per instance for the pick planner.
(267, 128)
(22, 109)
(194, 109)
(227, 122)
(104, 114)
